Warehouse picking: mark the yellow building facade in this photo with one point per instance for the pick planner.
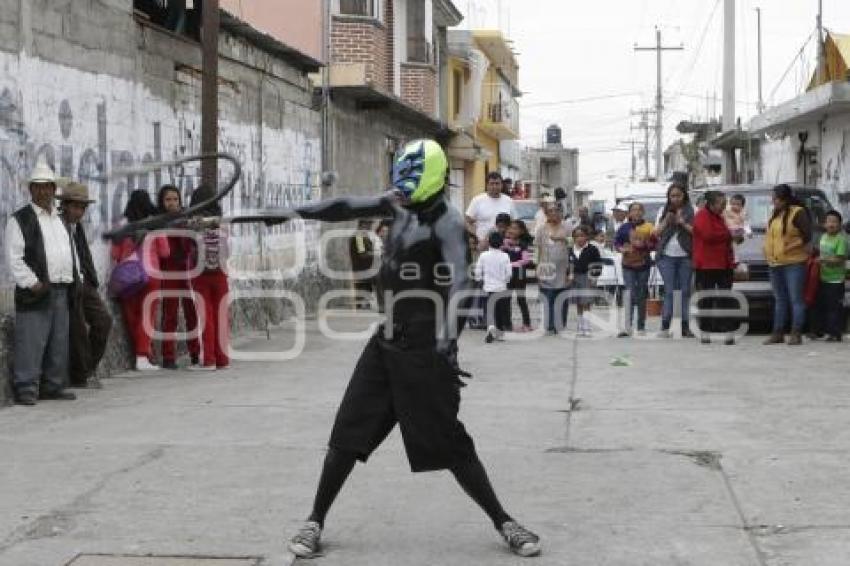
(483, 108)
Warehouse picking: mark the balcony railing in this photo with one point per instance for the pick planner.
(500, 109)
(504, 113)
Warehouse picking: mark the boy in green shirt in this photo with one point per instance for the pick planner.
(830, 302)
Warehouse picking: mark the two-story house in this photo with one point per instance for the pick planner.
(386, 77)
(483, 107)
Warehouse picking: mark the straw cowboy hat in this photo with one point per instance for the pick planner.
(42, 173)
(75, 192)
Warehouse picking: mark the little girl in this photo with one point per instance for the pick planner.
(517, 245)
(583, 256)
(736, 217)
(737, 221)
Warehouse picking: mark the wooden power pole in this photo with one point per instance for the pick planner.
(210, 20)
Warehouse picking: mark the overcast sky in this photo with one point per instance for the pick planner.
(571, 49)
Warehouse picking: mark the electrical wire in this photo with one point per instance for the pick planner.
(580, 100)
(791, 66)
(698, 51)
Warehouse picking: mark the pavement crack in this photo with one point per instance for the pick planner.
(572, 396)
(63, 519)
(752, 535)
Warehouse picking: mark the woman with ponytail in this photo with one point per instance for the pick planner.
(786, 248)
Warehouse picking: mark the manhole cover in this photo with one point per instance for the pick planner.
(91, 560)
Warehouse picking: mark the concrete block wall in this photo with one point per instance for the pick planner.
(94, 90)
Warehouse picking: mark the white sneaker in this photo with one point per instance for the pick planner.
(664, 334)
(144, 364)
(307, 542)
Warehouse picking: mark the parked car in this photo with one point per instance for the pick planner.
(526, 209)
(756, 286)
(652, 204)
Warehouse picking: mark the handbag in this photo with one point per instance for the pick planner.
(128, 277)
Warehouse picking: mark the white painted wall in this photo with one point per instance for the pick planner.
(75, 118)
(780, 160)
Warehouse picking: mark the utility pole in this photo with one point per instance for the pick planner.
(728, 123)
(632, 143)
(659, 101)
(729, 65)
(821, 54)
(758, 24)
(210, 19)
(645, 127)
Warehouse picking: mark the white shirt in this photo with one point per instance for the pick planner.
(57, 248)
(483, 209)
(673, 248)
(494, 268)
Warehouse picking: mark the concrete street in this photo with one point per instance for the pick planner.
(689, 455)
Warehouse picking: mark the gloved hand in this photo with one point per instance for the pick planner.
(447, 351)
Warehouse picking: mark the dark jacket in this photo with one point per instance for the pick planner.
(84, 254)
(671, 230)
(519, 251)
(36, 259)
(582, 263)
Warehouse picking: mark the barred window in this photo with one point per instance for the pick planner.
(368, 8)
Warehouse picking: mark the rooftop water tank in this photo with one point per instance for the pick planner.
(553, 135)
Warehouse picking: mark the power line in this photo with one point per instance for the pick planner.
(703, 35)
(579, 100)
(791, 66)
(676, 95)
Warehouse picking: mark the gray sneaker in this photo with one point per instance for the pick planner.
(306, 543)
(521, 541)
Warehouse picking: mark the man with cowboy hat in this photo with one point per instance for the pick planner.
(90, 319)
(40, 254)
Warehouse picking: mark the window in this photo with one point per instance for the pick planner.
(366, 8)
(457, 92)
(177, 16)
(418, 40)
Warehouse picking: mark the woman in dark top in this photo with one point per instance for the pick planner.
(674, 231)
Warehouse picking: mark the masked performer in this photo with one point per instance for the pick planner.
(408, 373)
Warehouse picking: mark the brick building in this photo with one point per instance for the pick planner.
(386, 81)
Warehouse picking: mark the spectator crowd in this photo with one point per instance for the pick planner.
(692, 246)
(62, 323)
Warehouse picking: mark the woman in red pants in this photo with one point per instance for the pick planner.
(176, 279)
(140, 320)
(211, 288)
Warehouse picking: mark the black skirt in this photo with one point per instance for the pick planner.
(409, 385)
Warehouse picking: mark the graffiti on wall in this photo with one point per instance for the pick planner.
(91, 127)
